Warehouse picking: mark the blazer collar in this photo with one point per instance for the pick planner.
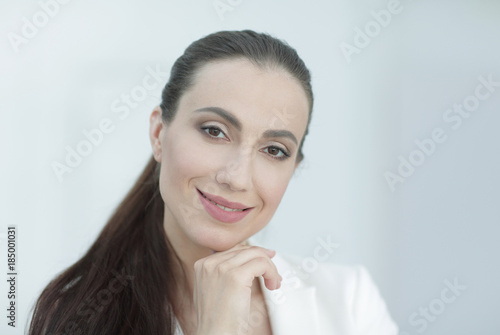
(293, 307)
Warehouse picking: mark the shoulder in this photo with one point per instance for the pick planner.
(310, 271)
(346, 290)
(348, 282)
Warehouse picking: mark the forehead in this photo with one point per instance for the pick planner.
(259, 96)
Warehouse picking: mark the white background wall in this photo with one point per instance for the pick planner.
(441, 223)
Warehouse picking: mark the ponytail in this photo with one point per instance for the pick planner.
(123, 284)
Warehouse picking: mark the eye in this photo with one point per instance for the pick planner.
(214, 132)
(277, 153)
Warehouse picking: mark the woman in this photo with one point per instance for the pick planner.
(174, 257)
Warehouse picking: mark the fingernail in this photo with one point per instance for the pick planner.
(270, 252)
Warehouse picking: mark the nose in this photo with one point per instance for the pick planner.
(236, 172)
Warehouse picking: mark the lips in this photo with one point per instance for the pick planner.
(222, 209)
(227, 209)
(223, 202)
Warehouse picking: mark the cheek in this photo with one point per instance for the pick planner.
(272, 184)
(182, 161)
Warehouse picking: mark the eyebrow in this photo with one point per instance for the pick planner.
(280, 133)
(224, 114)
(237, 124)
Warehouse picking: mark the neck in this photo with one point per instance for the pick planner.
(187, 254)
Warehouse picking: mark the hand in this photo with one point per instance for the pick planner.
(223, 287)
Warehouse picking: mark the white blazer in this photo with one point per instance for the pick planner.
(324, 299)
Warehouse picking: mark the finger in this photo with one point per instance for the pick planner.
(245, 250)
(237, 258)
(233, 249)
(243, 256)
(261, 266)
(224, 262)
(212, 261)
(221, 256)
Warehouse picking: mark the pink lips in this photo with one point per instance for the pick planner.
(220, 214)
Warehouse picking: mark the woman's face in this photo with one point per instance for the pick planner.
(234, 139)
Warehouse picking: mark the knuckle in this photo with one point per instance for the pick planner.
(198, 265)
(209, 265)
(263, 260)
(223, 267)
(233, 276)
(257, 251)
(203, 266)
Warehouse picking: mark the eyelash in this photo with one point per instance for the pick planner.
(285, 153)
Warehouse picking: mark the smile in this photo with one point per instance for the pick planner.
(227, 209)
(223, 210)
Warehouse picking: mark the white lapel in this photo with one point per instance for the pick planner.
(293, 307)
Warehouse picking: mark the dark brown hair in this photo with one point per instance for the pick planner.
(125, 283)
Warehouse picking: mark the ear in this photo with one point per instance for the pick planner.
(155, 127)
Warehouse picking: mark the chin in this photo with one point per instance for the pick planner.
(219, 240)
